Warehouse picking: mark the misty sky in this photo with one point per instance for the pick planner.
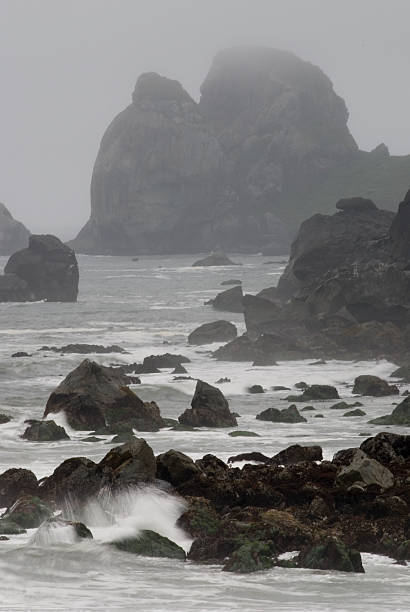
(69, 66)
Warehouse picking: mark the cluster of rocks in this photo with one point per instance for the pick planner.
(46, 270)
(345, 292)
(242, 519)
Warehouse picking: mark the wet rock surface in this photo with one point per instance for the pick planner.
(209, 408)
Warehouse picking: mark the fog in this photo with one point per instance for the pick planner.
(68, 67)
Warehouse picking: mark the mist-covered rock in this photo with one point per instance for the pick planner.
(13, 234)
(266, 146)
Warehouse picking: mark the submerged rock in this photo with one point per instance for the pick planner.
(84, 349)
(46, 270)
(209, 408)
(287, 415)
(44, 431)
(92, 397)
(373, 385)
(215, 259)
(316, 392)
(251, 557)
(331, 555)
(217, 331)
(150, 544)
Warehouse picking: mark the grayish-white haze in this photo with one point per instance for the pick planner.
(68, 67)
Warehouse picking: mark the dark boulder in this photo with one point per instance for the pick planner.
(287, 415)
(315, 393)
(176, 467)
(229, 300)
(354, 413)
(130, 464)
(179, 369)
(256, 389)
(399, 416)
(75, 480)
(15, 483)
(92, 398)
(261, 314)
(215, 259)
(4, 418)
(217, 331)
(297, 454)
(20, 354)
(8, 527)
(44, 431)
(373, 385)
(48, 267)
(240, 349)
(403, 372)
(209, 408)
(387, 448)
(331, 555)
(150, 544)
(167, 360)
(13, 289)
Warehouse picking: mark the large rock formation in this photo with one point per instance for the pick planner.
(46, 270)
(267, 145)
(13, 234)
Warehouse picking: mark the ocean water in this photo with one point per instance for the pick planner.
(149, 307)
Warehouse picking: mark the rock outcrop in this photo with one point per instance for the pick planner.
(13, 234)
(209, 408)
(94, 397)
(267, 145)
(46, 270)
(217, 331)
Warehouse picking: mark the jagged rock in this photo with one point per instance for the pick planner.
(373, 385)
(217, 331)
(260, 314)
(365, 471)
(176, 467)
(240, 349)
(129, 464)
(345, 405)
(92, 398)
(28, 512)
(13, 234)
(215, 259)
(44, 431)
(399, 416)
(287, 415)
(400, 231)
(229, 300)
(46, 270)
(150, 544)
(209, 408)
(331, 555)
(297, 454)
(179, 369)
(15, 483)
(387, 448)
(84, 349)
(251, 456)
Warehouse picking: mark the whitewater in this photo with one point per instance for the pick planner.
(149, 307)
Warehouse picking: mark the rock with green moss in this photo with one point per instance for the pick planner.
(251, 557)
(29, 512)
(151, 544)
(331, 555)
(315, 392)
(200, 519)
(8, 527)
(176, 467)
(403, 551)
